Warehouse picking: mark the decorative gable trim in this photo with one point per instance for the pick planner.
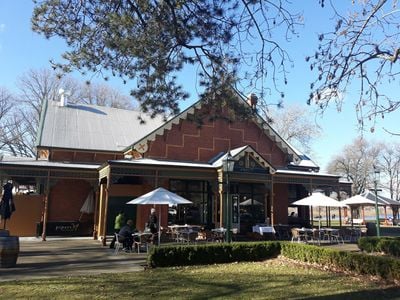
(143, 143)
(248, 151)
(242, 152)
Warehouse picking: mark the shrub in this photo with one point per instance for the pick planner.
(181, 255)
(385, 267)
(387, 245)
(368, 244)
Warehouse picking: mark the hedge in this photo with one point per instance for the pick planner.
(387, 245)
(211, 253)
(181, 255)
(385, 267)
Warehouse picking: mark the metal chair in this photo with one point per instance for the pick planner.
(336, 236)
(142, 241)
(299, 235)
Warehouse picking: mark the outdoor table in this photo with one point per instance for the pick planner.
(182, 232)
(302, 234)
(142, 239)
(332, 234)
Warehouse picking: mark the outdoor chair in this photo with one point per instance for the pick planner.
(118, 245)
(282, 232)
(142, 241)
(317, 235)
(336, 236)
(298, 235)
(235, 232)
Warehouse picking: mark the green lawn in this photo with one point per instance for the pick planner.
(273, 279)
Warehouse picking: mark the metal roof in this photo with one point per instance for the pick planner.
(31, 162)
(285, 171)
(92, 127)
(155, 162)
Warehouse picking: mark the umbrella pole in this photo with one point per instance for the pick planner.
(319, 218)
(159, 226)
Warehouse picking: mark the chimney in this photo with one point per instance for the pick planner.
(252, 100)
(63, 97)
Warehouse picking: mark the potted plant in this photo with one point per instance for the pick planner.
(9, 245)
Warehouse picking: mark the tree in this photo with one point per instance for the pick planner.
(390, 167)
(362, 52)
(103, 95)
(151, 42)
(355, 163)
(21, 122)
(294, 125)
(5, 102)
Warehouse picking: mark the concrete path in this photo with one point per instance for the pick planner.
(69, 257)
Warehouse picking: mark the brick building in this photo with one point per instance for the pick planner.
(99, 157)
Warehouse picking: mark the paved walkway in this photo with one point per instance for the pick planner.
(69, 257)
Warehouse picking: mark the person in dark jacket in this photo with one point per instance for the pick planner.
(126, 235)
(153, 224)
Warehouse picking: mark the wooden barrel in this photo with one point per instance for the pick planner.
(9, 251)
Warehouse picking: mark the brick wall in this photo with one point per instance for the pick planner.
(280, 204)
(83, 156)
(187, 141)
(66, 199)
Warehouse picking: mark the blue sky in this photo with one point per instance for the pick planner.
(21, 50)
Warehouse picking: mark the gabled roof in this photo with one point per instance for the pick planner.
(238, 153)
(92, 127)
(263, 124)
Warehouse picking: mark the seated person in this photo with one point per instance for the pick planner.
(125, 235)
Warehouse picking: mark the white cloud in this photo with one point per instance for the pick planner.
(2, 27)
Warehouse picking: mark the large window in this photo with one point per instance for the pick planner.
(197, 213)
(252, 202)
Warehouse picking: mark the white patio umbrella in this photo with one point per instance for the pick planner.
(160, 196)
(356, 201)
(319, 200)
(88, 205)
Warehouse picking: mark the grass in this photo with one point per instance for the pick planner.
(272, 279)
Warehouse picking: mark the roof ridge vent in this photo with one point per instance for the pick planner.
(64, 97)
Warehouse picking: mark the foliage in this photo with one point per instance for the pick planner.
(389, 246)
(384, 267)
(151, 42)
(368, 244)
(212, 253)
(362, 51)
